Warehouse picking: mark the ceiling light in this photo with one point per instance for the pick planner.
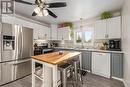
(40, 14)
(45, 12)
(38, 11)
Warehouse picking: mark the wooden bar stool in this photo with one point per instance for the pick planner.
(77, 71)
(65, 69)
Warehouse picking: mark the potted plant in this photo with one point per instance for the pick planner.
(106, 15)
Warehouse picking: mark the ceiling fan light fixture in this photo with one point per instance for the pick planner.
(42, 7)
(45, 12)
(37, 10)
(40, 14)
(34, 14)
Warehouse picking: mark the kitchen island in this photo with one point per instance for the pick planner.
(51, 60)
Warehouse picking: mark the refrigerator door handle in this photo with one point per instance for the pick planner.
(22, 42)
(22, 61)
(18, 41)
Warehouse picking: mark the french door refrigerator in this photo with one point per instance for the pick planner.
(16, 51)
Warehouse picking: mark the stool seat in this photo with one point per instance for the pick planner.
(63, 66)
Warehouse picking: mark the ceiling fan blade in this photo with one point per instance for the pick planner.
(51, 13)
(57, 4)
(24, 2)
(34, 14)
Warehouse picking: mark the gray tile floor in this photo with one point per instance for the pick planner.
(89, 80)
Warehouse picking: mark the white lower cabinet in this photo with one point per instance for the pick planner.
(101, 64)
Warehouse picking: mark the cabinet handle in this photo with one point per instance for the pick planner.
(106, 35)
(100, 54)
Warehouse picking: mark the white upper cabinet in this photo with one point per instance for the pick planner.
(64, 33)
(41, 33)
(100, 29)
(108, 29)
(35, 33)
(114, 27)
(54, 32)
(60, 34)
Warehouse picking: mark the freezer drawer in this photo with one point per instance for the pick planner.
(6, 72)
(0, 75)
(22, 68)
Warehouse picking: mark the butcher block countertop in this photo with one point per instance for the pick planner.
(54, 58)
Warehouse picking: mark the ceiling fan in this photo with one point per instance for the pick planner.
(42, 7)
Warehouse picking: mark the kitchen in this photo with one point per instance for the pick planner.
(93, 48)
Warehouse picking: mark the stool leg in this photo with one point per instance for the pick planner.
(76, 73)
(81, 77)
(80, 72)
(72, 76)
(64, 78)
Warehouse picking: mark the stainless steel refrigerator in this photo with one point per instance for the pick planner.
(16, 51)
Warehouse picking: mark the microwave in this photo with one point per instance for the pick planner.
(115, 45)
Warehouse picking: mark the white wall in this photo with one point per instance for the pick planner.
(126, 40)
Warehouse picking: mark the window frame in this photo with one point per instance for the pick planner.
(83, 30)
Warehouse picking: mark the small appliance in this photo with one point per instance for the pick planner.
(115, 44)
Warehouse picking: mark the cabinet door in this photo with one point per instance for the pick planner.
(41, 33)
(35, 34)
(60, 34)
(48, 33)
(101, 64)
(114, 27)
(54, 32)
(86, 60)
(7, 29)
(117, 65)
(100, 29)
(64, 33)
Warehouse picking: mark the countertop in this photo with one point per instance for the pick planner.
(54, 57)
(93, 50)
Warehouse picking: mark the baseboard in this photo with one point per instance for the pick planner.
(125, 83)
(86, 70)
(120, 79)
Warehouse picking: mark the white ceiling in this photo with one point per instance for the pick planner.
(75, 10)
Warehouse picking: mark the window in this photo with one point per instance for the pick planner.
(88, 37)
(84, 36)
